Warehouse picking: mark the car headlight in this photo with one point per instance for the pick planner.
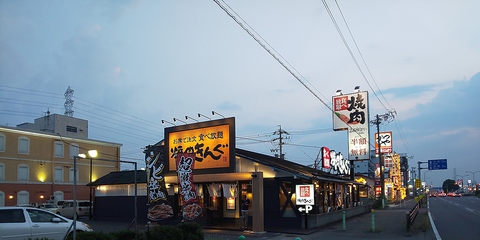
(87, 226)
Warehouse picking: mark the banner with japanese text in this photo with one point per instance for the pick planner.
(185, 163)
(158, 206)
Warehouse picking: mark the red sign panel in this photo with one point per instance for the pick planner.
(326, 159)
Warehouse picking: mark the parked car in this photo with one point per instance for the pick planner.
(52, 207)
(67, 210)
(19, 223)
(24, 205)
(60, 203)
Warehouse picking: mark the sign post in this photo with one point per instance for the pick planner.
(304, 196)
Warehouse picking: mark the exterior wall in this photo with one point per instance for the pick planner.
(78, 128)
(41, 163)
(120, 208)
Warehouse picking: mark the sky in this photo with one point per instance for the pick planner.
(132, 64)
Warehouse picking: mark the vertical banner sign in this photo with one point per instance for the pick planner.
(326, 158)
(385, 142)
(185, 163)
(359, 134)
(351, 113)
(159, 208)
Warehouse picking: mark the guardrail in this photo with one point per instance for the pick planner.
(412, 214)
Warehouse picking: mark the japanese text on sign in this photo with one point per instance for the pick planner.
(210, 146)
(304, 194)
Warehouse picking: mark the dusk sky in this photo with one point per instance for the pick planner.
(135, 63)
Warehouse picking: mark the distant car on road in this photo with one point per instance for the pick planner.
(451, 194)
(442, 194)
(458, 194)
(19, 223)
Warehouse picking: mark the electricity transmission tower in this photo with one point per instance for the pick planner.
(68, 102)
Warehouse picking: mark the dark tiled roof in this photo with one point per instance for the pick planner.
(127, 177)
(288, 166)
(121, 177)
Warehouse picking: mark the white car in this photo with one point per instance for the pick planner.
(19, 223)
(67, 210)
(52, 207)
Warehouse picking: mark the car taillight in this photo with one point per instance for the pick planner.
(79, 209)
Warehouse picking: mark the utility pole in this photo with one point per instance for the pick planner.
(379, 119)
(280, 132)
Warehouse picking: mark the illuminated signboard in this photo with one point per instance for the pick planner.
(304, 194)
(350, 112)
(326, 157)
(212, 142)
(386, 142)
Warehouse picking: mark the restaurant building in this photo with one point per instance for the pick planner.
(197, 174)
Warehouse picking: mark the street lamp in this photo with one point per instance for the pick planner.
(473, 173)
(462, 178)
(91, 153)
(425, 173)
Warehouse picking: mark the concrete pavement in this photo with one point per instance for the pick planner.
(389, 223)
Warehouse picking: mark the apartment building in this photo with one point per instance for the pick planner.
(37, 160)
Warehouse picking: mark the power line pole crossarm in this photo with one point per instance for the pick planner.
(280, 133)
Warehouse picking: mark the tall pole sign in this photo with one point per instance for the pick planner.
(351, 113)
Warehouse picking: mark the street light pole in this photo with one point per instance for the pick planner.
(90, 205)
(75, 197)
(473, 173)
(462, 178)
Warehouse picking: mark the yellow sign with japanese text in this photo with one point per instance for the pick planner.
(211, 146)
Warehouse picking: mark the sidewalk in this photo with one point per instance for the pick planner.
(390, 223)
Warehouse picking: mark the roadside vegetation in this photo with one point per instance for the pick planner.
(184, 231)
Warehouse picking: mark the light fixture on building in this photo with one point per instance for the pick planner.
(213, 113)
(187, 117)
(165, 121)
(339, 92)
(176, 119)
(201, 115)
(356, 89)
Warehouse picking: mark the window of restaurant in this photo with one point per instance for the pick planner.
(287, 198)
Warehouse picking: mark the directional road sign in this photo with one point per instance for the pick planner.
(307, 208)
(437, 164)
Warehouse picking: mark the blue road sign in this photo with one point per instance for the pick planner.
(437, 164)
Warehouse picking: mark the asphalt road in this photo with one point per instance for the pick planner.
(456, 217)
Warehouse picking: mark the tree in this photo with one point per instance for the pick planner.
(450, 185)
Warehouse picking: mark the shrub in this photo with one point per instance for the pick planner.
(92, 236)
(192, 231)
(127, 235)
(166, 233)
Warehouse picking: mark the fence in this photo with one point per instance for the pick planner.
(412, 214)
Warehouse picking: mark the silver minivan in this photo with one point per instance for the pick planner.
(83, 208)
